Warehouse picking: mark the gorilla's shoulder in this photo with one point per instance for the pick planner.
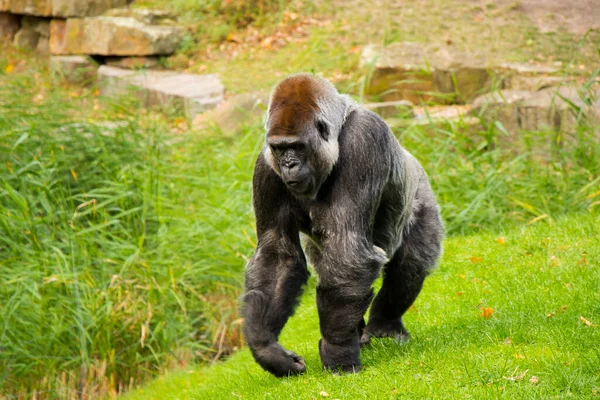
(363, 126)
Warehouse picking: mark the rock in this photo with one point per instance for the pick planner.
(74, 69)
(34, 34)
(399, 72)
(40, 25)
(60, 8)
(530, 77)
(534, 83)
(388, 109)
(41, 8)
(548, 110)
(193, 93)
(234, 113)
(501, 106)
(459, 76)
(27, 38)
(417, 73)
(113, 36)
(132, 62)
(143, 15)
(83, 8)
(9, 25)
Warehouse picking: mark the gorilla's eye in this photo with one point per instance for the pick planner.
(323, 129)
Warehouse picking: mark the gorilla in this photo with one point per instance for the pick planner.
(334, 172)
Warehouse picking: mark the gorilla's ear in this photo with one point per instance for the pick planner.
(323, 129)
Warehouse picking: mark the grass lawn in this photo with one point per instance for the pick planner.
(539, 288)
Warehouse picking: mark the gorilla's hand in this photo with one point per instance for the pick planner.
(279, 361)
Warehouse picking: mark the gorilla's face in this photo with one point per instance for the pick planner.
(303, 124)
(291, 158)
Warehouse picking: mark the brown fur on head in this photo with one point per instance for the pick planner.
(307, 109)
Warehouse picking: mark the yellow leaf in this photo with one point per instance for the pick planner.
(74, 174)
(9, 68)
(501, 240)
(585, 321)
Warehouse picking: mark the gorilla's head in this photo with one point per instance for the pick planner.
(305, 117)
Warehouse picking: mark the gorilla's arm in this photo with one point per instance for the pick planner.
(275, 274)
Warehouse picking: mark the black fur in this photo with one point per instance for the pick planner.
(371, 209)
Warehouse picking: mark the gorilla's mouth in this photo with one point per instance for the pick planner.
(299, 186)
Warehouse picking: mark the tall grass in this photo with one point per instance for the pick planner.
(114, 239)
(122, 245)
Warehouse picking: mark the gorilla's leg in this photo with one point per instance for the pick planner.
(274, 283)
(404, 275)
(343, 295)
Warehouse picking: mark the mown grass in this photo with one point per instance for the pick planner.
(122, 244)
(539, 285)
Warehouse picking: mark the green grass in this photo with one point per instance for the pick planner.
(539, 281)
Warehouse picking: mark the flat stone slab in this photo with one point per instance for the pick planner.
(113, 36)
(193, 93)
(60, 8)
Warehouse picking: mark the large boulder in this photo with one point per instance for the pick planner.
(113, 36)
(194, 94)
(60, 8)
(459, 76)
(410, 71)
(9, 25)
(399, 72)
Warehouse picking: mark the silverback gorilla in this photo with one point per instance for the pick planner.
(333, 171)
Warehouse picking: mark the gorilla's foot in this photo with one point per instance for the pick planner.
(340, 359)
(381, 328)
(279, 361)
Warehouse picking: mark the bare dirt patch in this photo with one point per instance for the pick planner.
(575, 16)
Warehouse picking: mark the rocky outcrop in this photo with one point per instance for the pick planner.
(193, 94)
(60, 8)
(113, 36)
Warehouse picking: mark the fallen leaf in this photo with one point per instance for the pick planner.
(550, 315)
(459, 293)
(519, 356)
(487, 312)
(585, 321)
(9, 68)
(323, 394)
(501, 240)
(463, 276)
(534, 380)
(476, 259)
